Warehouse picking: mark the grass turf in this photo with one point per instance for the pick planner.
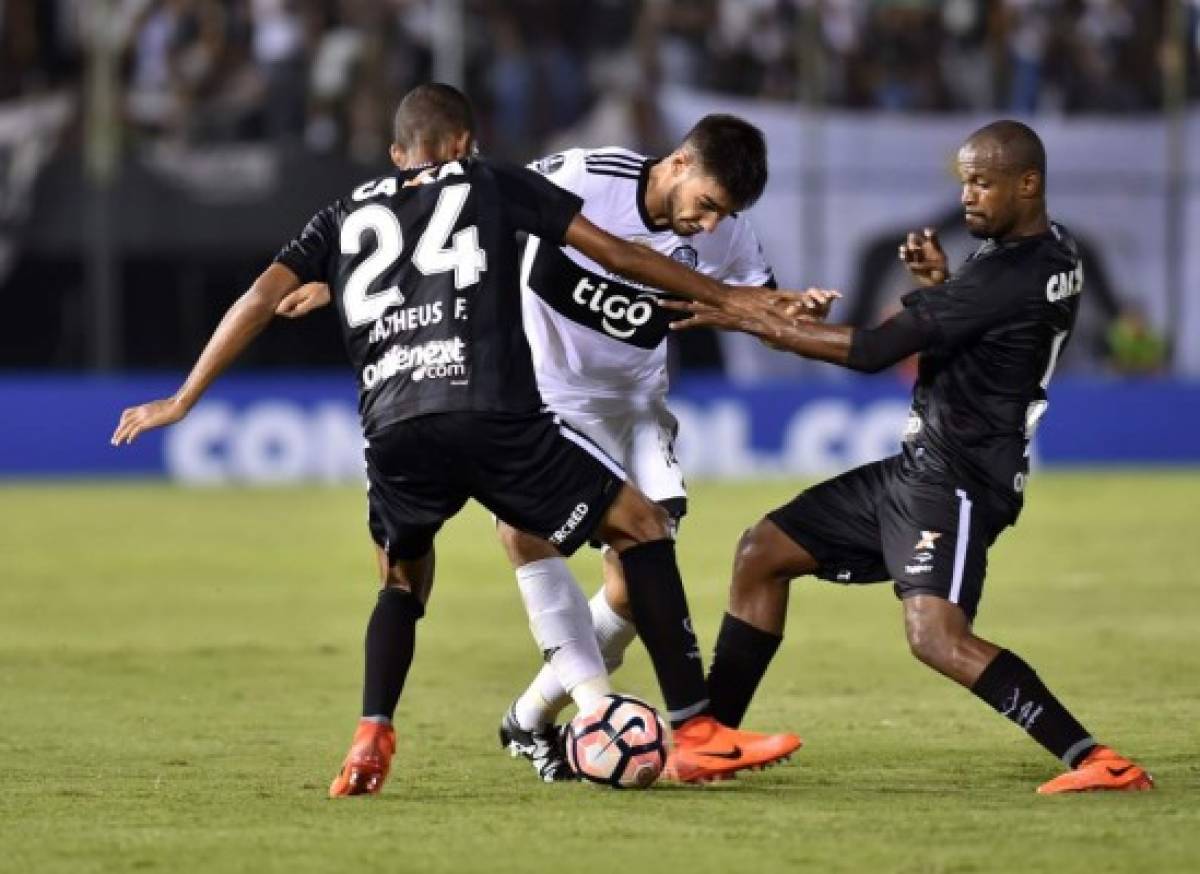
(179, 675)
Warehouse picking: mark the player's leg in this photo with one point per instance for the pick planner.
(703, 749)
(545, 697)
(831, 530)
(937, 548)
(406, 510)
(766, 562)
(574, 670)
(540, 476)
(531, 556)
(641, 435)
(611, 613)
(388, 654)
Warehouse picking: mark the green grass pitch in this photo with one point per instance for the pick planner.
(179, 676)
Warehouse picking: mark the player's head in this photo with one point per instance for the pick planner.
(719, 168)
(434, 122)
(1003, 171)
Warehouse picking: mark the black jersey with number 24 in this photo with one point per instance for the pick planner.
(422, 265)
(998, 329)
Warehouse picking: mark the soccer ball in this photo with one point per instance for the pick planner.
(621, 742)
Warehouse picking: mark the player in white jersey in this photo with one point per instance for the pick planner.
(600, 351)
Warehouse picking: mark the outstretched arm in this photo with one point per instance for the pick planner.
(243, 322)
(772, 318)
(641, 264)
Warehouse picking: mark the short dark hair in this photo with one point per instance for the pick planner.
(1020, 147)
(733, 152)
(430, 113)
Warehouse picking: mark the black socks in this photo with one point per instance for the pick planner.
(391, 636)
(740, 660)
(660, 612)
(1014, 690)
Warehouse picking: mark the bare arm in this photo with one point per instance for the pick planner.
(243, 322)
(642, 264)
(772, 319)
(304, 300)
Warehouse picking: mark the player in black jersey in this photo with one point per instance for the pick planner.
(988, 338)
(423, 265)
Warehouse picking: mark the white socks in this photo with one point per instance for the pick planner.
(562, 626)
(546, 696)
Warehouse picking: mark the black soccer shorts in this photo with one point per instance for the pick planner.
(531, 471)
(883, 522)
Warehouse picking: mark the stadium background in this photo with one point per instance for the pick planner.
(154, 154)
(150, 155)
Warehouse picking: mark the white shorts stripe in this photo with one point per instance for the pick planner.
(590, 448)
(960, 544)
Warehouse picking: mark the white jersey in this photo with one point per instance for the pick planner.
(595, 335)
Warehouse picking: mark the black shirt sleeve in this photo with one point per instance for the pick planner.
(534, 203)
(311, 253)
(964, 307)
(873, 349)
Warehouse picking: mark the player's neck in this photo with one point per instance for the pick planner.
(419, 160)
(425, 155)
(1030, 226)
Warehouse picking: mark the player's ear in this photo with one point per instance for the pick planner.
(397, 154)
(1030, 184)
(681, 161)
(464, 144)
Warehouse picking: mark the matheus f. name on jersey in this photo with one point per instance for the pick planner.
(429, 324)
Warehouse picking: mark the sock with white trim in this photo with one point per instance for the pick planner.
(1010, 686)
(660, 613)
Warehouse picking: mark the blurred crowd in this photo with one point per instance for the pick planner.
(325, 73)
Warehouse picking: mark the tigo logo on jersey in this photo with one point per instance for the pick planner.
(436, 359)
(618, 311)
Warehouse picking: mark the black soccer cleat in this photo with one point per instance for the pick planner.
(542, 747)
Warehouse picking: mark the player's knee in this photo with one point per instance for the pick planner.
(412, 576)
(522, 548)
(648, 522)
(933, 646)
(757, 559)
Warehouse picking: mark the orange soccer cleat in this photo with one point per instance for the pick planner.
(704, 750)
(1103, 770)
(368, 762)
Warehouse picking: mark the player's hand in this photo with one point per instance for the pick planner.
(924, 257)
(810, 305)
(136, 420)
(701, 315)
(304, 300)
(752, 309)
